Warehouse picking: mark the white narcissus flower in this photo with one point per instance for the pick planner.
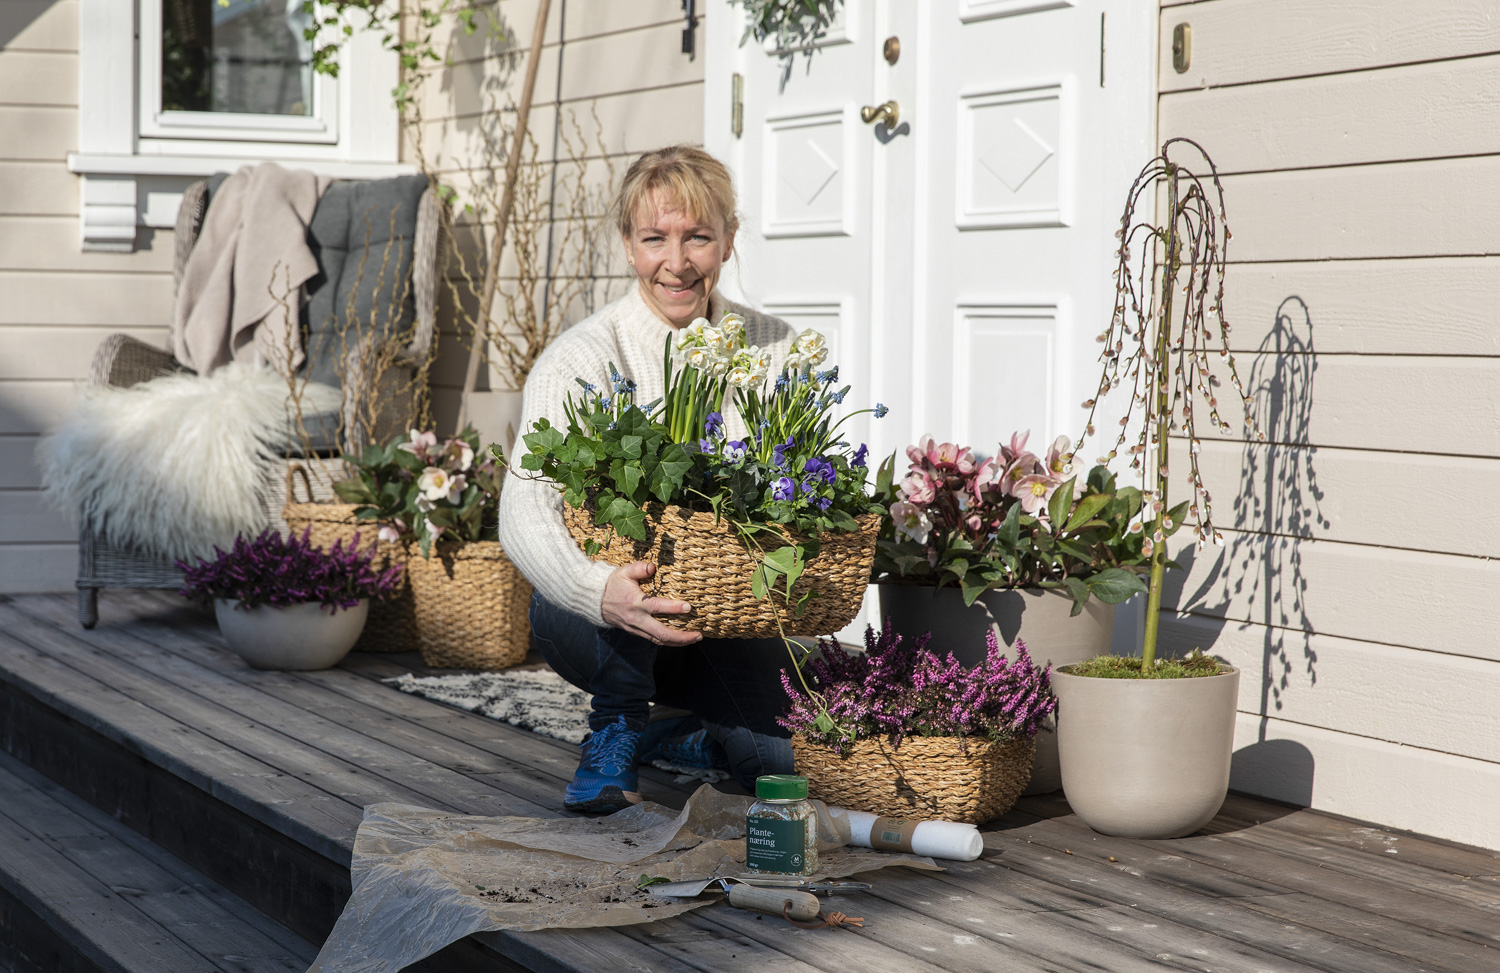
(719, 366)
(717, 341)
(435, 484)
(810, 342)
(733, 328)
(739, 378)
(699, 358)
(793, 362)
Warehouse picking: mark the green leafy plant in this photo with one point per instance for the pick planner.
(418, 488)
(1013, 520)
(794, 23)
(1163, 351)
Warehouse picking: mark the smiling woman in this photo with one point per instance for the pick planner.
(676, 215)
(591, 621)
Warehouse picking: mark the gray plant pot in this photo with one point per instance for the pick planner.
(1146, 758)
(1037, 616)
(301, 636)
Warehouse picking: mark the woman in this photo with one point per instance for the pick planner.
(592, 623)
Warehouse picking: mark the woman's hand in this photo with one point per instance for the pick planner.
(626, 607)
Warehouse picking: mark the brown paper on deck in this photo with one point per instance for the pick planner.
(423, 878)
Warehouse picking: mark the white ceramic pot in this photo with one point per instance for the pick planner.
(1146, 758)
(301, 636)
(1037, 616)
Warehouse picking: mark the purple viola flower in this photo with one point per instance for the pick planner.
(785, 489)
(704, 446)
(735, 450)
(860, 454)
(820, 469)
(713, 425)
(778, 452)
(823, 503)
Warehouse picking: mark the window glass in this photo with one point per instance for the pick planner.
(243, 56)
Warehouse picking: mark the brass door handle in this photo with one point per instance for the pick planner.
(890, 113)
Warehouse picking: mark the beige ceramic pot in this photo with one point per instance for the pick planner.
(1037, 616)
(1146, 758)
(302, 636)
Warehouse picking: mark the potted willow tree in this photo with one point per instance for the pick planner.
(1145, 743)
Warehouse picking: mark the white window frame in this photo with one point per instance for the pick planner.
(321, 126)
(134, 164)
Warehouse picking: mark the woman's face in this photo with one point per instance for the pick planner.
(677, 259)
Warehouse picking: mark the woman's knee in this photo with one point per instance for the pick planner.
(752, 754)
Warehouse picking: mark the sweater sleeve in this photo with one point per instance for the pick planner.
(532, 531)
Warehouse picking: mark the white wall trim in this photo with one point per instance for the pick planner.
(130, 179)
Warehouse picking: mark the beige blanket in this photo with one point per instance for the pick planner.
(241, 289)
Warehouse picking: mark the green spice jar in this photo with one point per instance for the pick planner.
(781, 827)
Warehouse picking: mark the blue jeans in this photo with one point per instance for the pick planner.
(733, 686)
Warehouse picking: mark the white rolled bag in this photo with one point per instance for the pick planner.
(935, 839)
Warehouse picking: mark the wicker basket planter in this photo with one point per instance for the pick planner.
(392, 626)
(471, 605)
(705, 564)
(926, 777)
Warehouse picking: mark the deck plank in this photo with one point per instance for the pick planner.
(167, 894)
(357, 766)
(1264, 887)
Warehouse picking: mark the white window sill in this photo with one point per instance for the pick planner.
(121, 192)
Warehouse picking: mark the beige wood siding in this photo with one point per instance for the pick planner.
(56, 302)
(1361, 159)
(618, 62)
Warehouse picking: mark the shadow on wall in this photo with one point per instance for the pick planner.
(1276, 510)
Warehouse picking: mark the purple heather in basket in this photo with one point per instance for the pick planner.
(899, 688)
(280, 571)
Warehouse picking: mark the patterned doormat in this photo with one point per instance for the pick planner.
(538, 700)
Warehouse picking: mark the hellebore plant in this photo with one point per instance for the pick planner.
(277, 571)
(1013, 520)
(898, 688)
(1164, 351)
(418, 487)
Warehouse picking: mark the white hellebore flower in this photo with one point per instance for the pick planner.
(438, 484)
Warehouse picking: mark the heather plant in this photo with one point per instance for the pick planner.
(422, 488)
(1013, 520)
(1164, 350)
(281, 571)
(899, 688)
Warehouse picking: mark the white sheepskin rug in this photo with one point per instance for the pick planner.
(180, 464)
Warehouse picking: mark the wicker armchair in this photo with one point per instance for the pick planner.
(122, 361)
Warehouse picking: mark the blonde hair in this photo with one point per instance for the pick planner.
(685, 174)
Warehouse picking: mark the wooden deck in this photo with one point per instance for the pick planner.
(257, 781)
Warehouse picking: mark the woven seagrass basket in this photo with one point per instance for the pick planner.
(392, 625)
(472, 606)
(926, 777)
(705, 564)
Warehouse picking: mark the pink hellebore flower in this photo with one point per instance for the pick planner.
(420, 442)
(911, 521)
(951, 456)
(389, 534)
(1059, 460)
(918, 488)
(990, 475)
(1017, 446)
(460, 460)
(1034, 490)
(918, 453)
(1024, 464)
(438, 484)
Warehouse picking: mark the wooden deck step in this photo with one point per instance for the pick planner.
(81, 892)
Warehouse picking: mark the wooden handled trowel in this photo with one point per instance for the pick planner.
(792, 902)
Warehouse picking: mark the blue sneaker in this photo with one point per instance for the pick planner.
(606, 780)
(681, 743)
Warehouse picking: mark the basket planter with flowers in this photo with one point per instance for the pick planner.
(437, 501)
(768, 535)
(900, 731)
(284, 603)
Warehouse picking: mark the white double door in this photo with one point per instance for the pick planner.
(960, 260)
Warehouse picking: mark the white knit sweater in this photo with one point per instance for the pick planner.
(629, 334)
